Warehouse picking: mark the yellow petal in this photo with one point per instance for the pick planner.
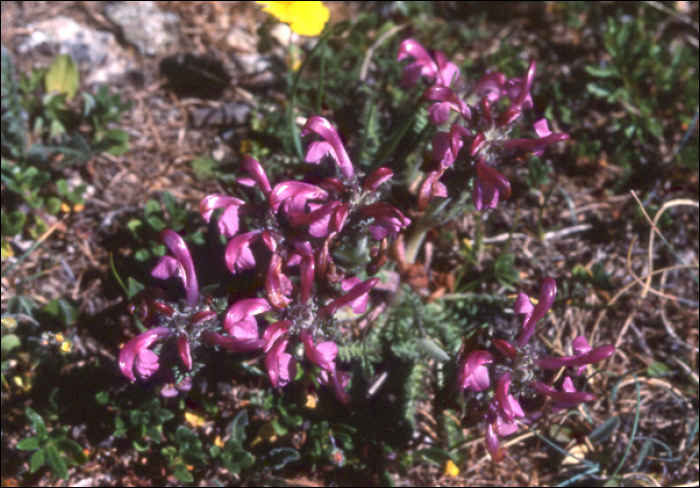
(304, 18)
(451, 469)
(193, 419)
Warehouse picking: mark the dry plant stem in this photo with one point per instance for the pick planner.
(654, 229)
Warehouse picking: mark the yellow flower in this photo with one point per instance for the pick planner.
(451, 469)
(304, 18)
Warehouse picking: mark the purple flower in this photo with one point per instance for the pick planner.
(240, 320)
(567, 398)
(473, 374)
(332, 145)
(293, 196)
(172, 389)
(180, 266)
(534, 314)
(228, 223)
(447, 100)
(322, 354)
(319, 219)
(148, 305)
(257, 173)
(378, 177)
(489, 86)
(437, 70)
(500, 420)
(136, 351)
(231, 343)
(536, 146)
(358, 305)
(277, 285)
(307, 269)
(238, 254)
(431, 188)
(387, 220)
(281, 366)
(359, 291)
(183, 347)
(339, 381)
(584, 355)
(490, 186)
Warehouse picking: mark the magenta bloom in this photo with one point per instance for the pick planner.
(536, 146)
(473, 374)
(358, 291)
(378, 177)
(238, 254)
(180, 266)
(331, 146)
(533, 314)
(136, 351)
(388, 220)
(322, 354)
(584, 355)
(567, 398)
(447, 100)
(437, 69)
(500, 422)
(358, 305)
(240, 320)
(490, 186)
(281, 366)
(258, 175)
(228, 223)
(293, 196)
(339, 381)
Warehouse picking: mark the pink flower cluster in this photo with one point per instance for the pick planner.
(474, 127)
(516, 371)
(291, 244)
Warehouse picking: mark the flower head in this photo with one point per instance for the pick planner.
(435, 69)
(181, 266)
(304, 18)
(331, 145)
(136, 353)
(473, 374)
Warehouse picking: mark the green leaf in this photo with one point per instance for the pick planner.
(28, 444)
(279, 428)
(62, 76)
(235, 460)
(35, 419)
(102, 398)
(597, 90)
(72, 449)
(435, 351)
(13, 222)
(605, 431)
(8, 343)
(59, 309)
(183, 475)
(237, 428)
(56, 462)
(434, 455)
(600, 72)
(53, 205)
(37, 460)
(657, 369)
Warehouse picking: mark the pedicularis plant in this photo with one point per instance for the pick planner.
(296, 236)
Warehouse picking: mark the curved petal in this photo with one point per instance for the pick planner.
(127, 356)
(178, 247)
(322, 127)
(546, 300)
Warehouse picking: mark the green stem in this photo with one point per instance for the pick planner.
(295, 83)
